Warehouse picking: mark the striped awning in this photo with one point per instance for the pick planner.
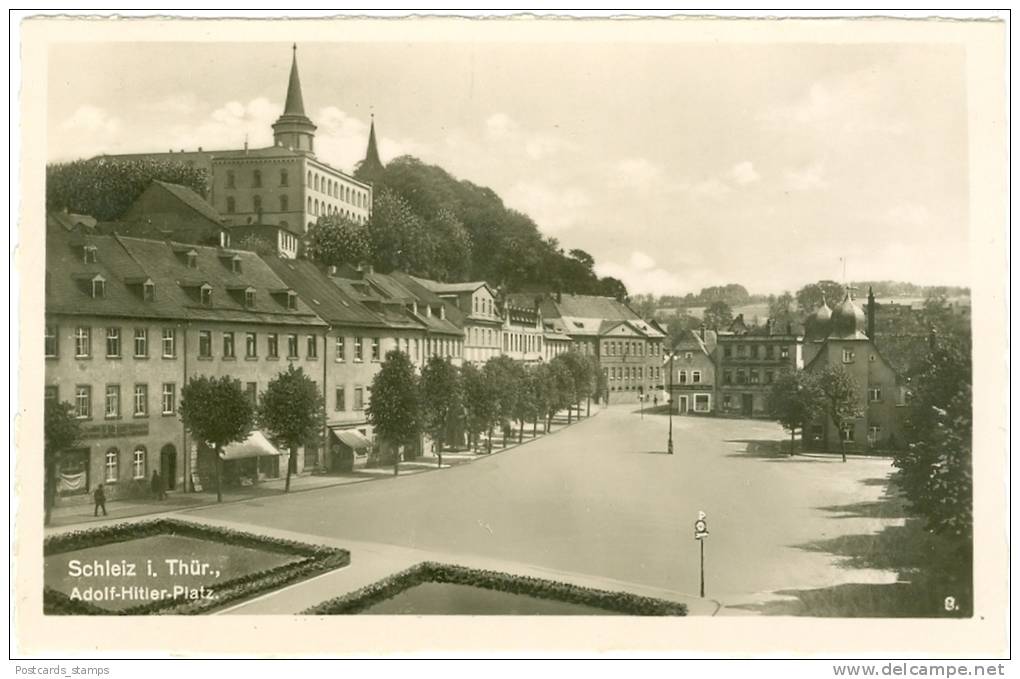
(352, 438)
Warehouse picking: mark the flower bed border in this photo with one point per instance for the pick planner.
(430, 571)
(317, 559)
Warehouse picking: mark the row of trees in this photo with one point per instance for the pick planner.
(454, 405)
(215, 411)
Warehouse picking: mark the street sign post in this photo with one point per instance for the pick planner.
(700, 534)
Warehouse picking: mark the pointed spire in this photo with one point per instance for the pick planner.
(295, 102)
(371, 166)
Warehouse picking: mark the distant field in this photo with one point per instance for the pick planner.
(760, 310)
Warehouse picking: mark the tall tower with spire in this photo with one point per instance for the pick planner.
(371, 167)
(294, 129)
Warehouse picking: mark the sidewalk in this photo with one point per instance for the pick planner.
(82, 514)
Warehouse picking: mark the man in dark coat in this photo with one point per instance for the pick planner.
(157, 486)
(99, 496)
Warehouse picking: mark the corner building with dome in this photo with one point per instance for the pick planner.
(845, 336)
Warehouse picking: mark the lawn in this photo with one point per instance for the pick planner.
(434, 598)
(226, 562)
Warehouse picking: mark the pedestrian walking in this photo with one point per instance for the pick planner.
(158, 491)
(99, 496)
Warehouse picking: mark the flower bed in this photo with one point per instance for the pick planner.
(617, 602)
(314, 559)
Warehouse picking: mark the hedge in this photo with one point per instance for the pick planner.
(618, 602)
(318, 559)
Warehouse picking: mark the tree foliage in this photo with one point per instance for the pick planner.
(61, 431)
(839, 394)
(216, 412)
(105, 188)
(291, 412)
(794, 400)
(337, 240)
(481, 402)
(718, 316)
(395, 407)
(935, 469)
(441, 398)
(810, 296)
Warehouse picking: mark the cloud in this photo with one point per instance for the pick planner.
(500, 126)
(513, 138)
(712, 187)
(87, 119)
(227, 127)
(641, 274)
(744, 173)
(805, 178)
(637, 173)
(554, 209)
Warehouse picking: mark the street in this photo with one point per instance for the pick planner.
(602, 498)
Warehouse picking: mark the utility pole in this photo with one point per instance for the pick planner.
(669, 446)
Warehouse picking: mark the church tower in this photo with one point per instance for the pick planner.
(293, 129)
(371, 167)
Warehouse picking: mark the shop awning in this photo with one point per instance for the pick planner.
(352, 438)
(254, 446)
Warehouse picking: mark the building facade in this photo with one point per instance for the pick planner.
(748, 359)
(692, 383)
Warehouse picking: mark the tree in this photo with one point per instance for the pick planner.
(395, 408)
(217, 412)
(935, 470)
(560, 384)
(441, 400)
(839, 393)
(336, 240)
(105, 188)
(481, 403)
(810, 296)
(61, 430)
(291, 412)
(794, 400)
(781, 309)
(505, 377)
(718, 315)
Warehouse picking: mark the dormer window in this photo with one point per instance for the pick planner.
(205, 295)
(149, 291)
(89, 254)
(98, 287)
(249, 298)
(292, 300)
(191, 258)
(235, 264)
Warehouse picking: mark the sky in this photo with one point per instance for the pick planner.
(676, 165)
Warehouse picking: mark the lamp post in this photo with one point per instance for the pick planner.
(669, 444)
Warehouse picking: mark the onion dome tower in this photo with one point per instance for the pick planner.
(816, 326)
(848, 321)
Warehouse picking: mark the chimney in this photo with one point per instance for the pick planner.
(789, 328)
(771, 325)
(701, 331)
(199, 149)
(871, 314)
(442, 311)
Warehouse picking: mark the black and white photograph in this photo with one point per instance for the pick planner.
(568, 322)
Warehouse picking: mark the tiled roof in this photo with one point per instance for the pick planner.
(190, 199)
(592, 306)
(437, 287)
(454, 315)
(319, 291)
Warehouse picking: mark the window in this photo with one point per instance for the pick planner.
(231, 205)
(204, 344)
(770, 352)
(169, 343)
(113, 342)
(141, 343)
(284, 179)
(83, 401)
(138, 463)
(249, 298)
(228, 345)
(235, 265)
(727, 351)
(191, 257)
(256, 179)
(292, 300)
(112, 465)
(341, 353)
(251, 391)
(784, 352)
(695, 377)
(848, 356)
(701, 403)
(141, 400)
(741, 377)
(755, 377)
(230, 179)
(874, 394)
(341, 396)
(359, 398)
(292, 347)
(682, 376)
(169, 398)
(727, 400)
(846, 431)
(256, 203)
(769, 377)
(51, 392)
(88, 254)
(205, 295)
(375, 349)
(148, 291)
(251, 345)
(727, 377)
(874, 434)
(98, 288)
(50, 341)
(313, 347)
(112, 400)
(272, 345)
(359, 349)
(284, 204)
